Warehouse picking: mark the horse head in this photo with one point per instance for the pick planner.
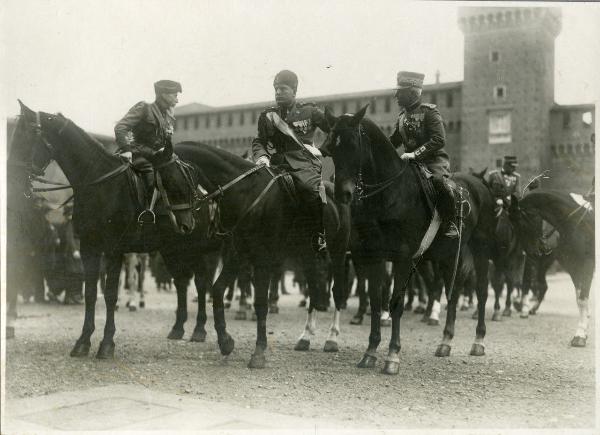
(343, 144)
(528, 226)
(175, 180)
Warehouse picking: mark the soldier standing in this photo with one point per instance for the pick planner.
(289, 128)
(420, 130)
(506, 181)
(148, 126)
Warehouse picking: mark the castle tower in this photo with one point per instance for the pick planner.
(508, 87)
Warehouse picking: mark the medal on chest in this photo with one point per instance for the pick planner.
(302, 126)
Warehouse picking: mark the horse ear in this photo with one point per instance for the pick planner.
(358, 116)
(24, 109)
(329, 117)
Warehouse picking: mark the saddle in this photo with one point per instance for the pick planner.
(286, 182)
(425, 177)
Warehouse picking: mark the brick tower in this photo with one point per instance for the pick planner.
(508, 87)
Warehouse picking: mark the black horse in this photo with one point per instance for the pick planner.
(575, 250)
(262, 225)
(105, 216)
(391, 217)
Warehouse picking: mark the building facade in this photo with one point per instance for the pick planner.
(504, 105)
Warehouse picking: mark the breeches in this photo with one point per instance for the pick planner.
(438, 166)
(308, 184)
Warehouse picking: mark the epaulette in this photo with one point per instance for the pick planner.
(269, 109)
(306, 103)
(140, 105)
(429, 105)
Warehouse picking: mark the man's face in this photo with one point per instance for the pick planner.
(284, 95)
(509, 168)
(404, 97)
(168, 100)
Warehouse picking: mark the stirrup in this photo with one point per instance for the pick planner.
(451, 231)
(146, 217)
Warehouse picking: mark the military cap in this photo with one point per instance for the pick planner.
(407, 79)
(167, 87)
(286, 77)
(511, 160)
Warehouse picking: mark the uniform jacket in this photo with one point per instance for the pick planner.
(145, 125)
(303, 119)
(504, 185)
(420, 129)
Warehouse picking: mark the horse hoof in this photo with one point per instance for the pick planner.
(433, 322)
(142, 304)
(419, 310)
(302, 345)
(198, 336)
(80, 350)
(257, 361)
(386, 322)
(443, 350)
(506, 313)
(10, 333)
(132, 308)
(227, 305)
(578, 341)
(367, 362)
(226, 345)
(496, 316)
(356, 320)
(106, 350)
(175, 334)
(273, 309)
(391, 368)
(240, 315)
(524, 314)
(475, 315)
(330, 346)
(477, 349)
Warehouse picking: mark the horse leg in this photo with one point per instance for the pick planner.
(447, 270)
(181, 280)
(262, 276)
(141, 278)
(510, 285)
(401, 272)
(374, 273)
(386, 319)
(340, 296)
(582, 278)
(480, 260)
(113, 270)
(244, 282)
(434, 282)
(541, 285)
(132, 277)
(361, 283)
(225, 341)
(274, 292)
(91, 264)
(202, 281)
(497, 284)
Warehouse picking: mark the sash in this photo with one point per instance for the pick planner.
(283, 127)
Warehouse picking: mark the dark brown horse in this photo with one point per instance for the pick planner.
(262, 225)
(105, 217)
(391, 217)
(575, 250)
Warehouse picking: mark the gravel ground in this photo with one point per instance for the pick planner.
(530, 377)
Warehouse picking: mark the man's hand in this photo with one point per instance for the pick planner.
(499, 202)
(408, 156)
(128, 155)
(264, 160)
(76, 255)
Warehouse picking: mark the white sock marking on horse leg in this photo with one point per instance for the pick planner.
(334, 329)
(385, 315)
(310, 326)
(435, 311)
(584, 318)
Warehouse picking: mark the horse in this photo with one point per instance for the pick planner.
(391, 217)
(106, 212)
(575, 249)
(508, 261)
(261, 224)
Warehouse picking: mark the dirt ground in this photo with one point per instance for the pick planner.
(529, 377)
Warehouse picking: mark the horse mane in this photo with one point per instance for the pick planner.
(375, 132)
(98, 147)
(224, 156)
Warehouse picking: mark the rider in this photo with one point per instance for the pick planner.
(420, 129)
(506, 181)
(148, 125)
(289, 128)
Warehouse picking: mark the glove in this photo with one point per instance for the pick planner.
(76, 255)
(264, 160)
(128, 155)
(408, 156)
(499, 202)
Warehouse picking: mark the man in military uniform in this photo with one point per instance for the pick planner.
(506, 181)
(148, 126)
(289, 128)
(420, 130)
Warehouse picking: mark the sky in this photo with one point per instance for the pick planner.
(92, 60)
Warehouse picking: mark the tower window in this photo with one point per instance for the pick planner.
(494, 56)
(185, 123)
(449, 99)
(500, 128)
(566, 120)
(218, 120)
(242, 118)
(499, 92)
(207, 121)
(196, 122)
(230, 119)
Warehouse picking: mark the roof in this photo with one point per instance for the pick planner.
(197, 108)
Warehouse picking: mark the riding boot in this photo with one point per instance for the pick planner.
(446, 206)
(148, 179)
